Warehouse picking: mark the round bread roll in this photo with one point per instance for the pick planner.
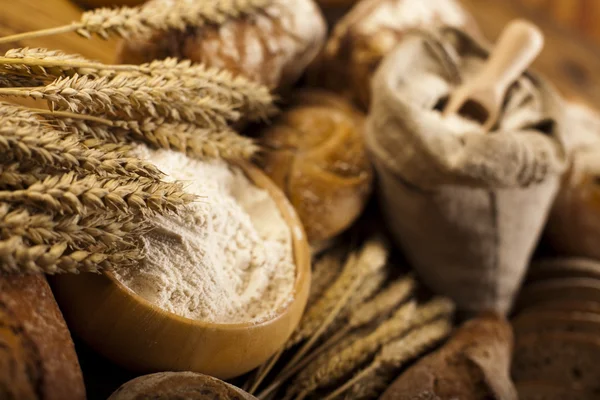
(178, 386)
(574, 224)
(371, 29)
(272, 47)
(314, 151)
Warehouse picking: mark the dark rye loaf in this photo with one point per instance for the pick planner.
(564, 268)
(37, 356)
(473, 365)
(568, 359)
(564, 289)
(540, 390)
(556, 321)
(178, 386)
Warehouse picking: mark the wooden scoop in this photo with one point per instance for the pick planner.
(482, 97)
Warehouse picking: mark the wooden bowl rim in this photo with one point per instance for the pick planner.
(300, 250)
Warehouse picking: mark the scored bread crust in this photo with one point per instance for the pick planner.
(272, 46)
(178, 386)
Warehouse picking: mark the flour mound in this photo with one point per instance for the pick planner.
(226, 258)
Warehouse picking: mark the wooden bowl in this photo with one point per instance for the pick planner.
(138, 335)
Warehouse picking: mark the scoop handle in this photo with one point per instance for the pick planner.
(520, 43)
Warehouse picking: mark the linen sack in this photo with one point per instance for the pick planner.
(467, 207)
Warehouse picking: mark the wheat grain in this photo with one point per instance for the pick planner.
(43, 64)
(380, 306)
(371, 258)
(325, 270)
(16, 176)
(192, 139)
(17, 257)
(132, 96)
(353, 356)
(368, 383)
(254, 100)
(51, 148)
(104, 230)
(70, 194)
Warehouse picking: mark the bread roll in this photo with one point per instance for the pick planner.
(37, 356)
(369, 31)
(473, 365)
(314, 152)
(272, 47)
(179, 386)
(574, 224)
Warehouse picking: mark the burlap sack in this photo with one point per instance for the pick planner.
(467, 207)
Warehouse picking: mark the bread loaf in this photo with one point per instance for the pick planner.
(272, 47)
(315, 153)
(473, 365)
(37, 356)
(179, 386)
(372, 28)
(574, 224)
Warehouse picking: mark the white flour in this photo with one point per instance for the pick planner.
(227, 258)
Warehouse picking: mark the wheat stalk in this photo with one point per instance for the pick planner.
(68, 193)
(347, 360)
(371, 258)
(132, 96)
(17, 257)
(253, 99)
(139, 21)
(392, 357)
(14, 176)
(325, 270)
(13, 80)
(92, 230)
(381, 305)
(48, 147)
(343, 362)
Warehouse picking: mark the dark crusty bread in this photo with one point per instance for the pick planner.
(37, 356)
(540, 390)
(580, 289)
(566, 305)
(179, 386)
(564, 358)
(473, 365)
(561, 321)
(563, 268)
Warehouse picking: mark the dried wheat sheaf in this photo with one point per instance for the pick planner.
(72, 195)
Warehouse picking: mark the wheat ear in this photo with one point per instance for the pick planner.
(325, 270)
(352, 357)
(371, 258)
(70, 194)
(391, 358)
(17, 257)
(131, 95)
(14, 176)
(48, 147)
(253, 99)
(12, 80)
(92, 230)
(136, 21)
(381, 305)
